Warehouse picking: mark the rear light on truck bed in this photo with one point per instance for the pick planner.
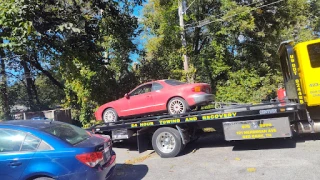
(90, 159)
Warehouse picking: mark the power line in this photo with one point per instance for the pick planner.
(238, 13)
(223, 13)
(265, 5)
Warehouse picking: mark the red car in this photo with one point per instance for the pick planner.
(167, 95)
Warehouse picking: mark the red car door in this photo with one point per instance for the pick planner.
(140, 101)
(159, 97)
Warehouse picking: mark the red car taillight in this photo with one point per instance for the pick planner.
(196, 89)
(201, 89)
(90, 159)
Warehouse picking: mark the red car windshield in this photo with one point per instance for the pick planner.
(173, 82)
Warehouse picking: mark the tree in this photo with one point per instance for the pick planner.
(87, 42)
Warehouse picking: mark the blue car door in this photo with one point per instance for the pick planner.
(14, 158)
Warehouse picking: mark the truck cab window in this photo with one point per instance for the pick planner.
(314, 54)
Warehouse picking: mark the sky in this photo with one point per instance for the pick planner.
(139, 41)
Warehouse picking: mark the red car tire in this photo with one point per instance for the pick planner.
(109, 115)
(177, 105)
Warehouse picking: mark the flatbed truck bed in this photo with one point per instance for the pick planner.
(261, 121)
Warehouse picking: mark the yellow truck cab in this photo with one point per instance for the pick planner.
(300, 66)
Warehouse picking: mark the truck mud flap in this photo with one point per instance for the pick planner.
(257, 129)
(143, 140)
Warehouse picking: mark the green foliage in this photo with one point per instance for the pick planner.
(91, 123)
(49, 95)
(247, 86)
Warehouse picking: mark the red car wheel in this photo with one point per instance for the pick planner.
(177, 106)
(110, 115)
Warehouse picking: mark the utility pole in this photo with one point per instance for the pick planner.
(181, 11)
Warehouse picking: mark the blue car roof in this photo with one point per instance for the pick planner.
(36, 128)
(31, 123)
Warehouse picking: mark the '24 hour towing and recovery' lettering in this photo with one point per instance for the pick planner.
(219, 116)
(169, 121)
(188, 119)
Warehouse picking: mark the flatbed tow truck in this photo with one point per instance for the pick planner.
(169, 134)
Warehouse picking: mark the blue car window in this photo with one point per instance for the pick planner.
(44, 146)
(68, 133)
(30, 143)
(11, 140)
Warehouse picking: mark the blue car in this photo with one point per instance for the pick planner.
(45, 150)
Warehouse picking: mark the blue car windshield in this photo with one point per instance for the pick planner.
(68, 133)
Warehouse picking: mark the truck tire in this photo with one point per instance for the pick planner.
(109, 115)
(167, 142)
(177, 106)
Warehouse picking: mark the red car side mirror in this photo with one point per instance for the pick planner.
(126, 95)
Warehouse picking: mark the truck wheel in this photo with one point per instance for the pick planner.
(167, 142)
(177, 106)
(109, 115)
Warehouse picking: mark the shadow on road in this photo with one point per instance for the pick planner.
(215, 141)
(129, 172)
(131, 144)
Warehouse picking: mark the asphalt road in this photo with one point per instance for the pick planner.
(213, 158)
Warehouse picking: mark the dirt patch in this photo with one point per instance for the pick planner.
(140, 159)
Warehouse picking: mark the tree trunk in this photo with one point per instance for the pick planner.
(3, 87)
(36, 96)
(27, 77)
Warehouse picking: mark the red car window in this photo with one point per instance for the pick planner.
(173, 82)
(156, 86)
(141, 90)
